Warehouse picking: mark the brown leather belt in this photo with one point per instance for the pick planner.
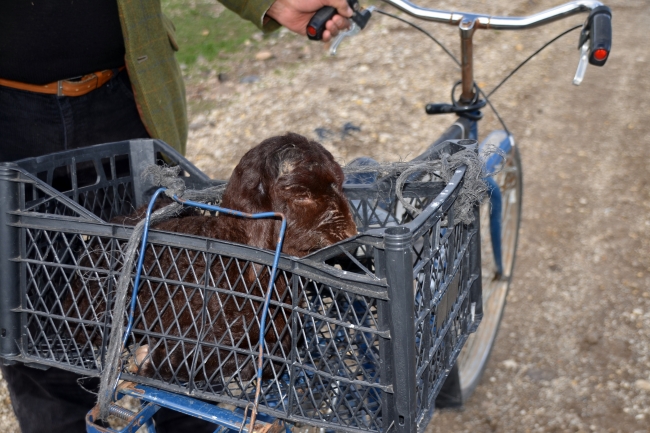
(84, 85)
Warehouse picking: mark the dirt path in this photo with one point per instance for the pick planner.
(573, 353)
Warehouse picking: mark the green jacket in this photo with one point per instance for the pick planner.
(150, 44)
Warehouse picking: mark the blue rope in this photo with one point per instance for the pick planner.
(212, 208)
(143, 246)
(276, 257)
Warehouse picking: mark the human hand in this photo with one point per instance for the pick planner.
(295, 15)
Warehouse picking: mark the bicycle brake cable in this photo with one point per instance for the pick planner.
(487, 96)
(430, 36)
(506, 78)
(415, 26)
(531, 56)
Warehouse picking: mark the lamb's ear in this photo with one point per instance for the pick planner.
(246, 191)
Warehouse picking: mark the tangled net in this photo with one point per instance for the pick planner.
(474, 189)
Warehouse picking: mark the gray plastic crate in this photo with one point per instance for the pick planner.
(376, 321)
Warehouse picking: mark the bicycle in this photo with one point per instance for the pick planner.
(498, 238)
(457, 308)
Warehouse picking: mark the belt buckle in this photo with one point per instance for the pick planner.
(73, 80)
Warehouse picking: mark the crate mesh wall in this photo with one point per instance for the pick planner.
(330, 373)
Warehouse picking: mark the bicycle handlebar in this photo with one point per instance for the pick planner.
(483, 21)
(595, 39)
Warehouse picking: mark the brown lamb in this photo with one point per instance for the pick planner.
(288, 174)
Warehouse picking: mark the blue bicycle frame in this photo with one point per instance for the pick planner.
(465, 128)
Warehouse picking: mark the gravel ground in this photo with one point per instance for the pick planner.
(573, 352)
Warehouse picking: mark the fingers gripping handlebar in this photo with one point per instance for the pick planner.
(316, 25)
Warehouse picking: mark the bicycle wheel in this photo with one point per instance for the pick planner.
(474, 355)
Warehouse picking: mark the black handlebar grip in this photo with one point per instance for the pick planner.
(439, 108)
(600, 35)
(316, 25)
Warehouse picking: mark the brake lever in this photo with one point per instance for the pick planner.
(352, 31)
(582, 64)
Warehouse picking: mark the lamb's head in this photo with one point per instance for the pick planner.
(299, 178)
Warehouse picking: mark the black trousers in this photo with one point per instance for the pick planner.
(34, 124)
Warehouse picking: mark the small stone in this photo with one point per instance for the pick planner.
(537, 375)
(384, 137)
(519, 47)
(248, 79)
(205, 32)
(348, 128)
(643, 385)
(199, 122)
(510, 364)
(324, 133)
(492, 423)
(264, 55)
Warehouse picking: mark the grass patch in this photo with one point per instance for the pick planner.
(206, 29)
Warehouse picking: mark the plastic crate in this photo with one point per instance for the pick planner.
(376, 321)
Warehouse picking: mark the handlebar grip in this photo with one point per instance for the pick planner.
(439, 108)
(316, 25)
(600, 35)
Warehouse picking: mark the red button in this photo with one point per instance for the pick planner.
(311, 31)
(600, 54)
